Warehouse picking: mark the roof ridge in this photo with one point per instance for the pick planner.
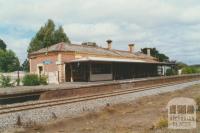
(96, 47)
(64, 46)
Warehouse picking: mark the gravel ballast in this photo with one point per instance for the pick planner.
(42, 115)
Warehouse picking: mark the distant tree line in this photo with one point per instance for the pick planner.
(186, 69)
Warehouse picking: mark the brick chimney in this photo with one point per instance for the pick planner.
(148, 51)
(109, 42)
(131, 47)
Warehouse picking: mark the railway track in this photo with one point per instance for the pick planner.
(56, 102)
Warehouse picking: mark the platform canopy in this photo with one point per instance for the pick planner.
(121, 60)
(102, 59)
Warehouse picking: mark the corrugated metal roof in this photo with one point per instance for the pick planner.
(94, 50)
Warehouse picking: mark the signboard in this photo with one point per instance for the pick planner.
(47, 62)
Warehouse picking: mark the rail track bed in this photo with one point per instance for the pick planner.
(89, 98)
(151, 84)
(20, 95)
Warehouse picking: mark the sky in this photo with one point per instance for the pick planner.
(172, 26)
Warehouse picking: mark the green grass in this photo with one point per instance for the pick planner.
(197, 68)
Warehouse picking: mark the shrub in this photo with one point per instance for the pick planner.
(43, 80)
(170, 72)
(189, 70)
(31, 80)
(5, 81)
(161, 123)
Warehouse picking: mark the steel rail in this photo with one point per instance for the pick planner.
(55, 102)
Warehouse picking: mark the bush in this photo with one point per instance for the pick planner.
(5, 81)
(33, 79)
(170, 72)
(189, 70)
(43, 80)
(161, 123)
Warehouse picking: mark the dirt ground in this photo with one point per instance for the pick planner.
(139, 116)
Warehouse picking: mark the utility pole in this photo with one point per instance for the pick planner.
(18, 77)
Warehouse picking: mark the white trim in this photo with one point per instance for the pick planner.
(105, 59)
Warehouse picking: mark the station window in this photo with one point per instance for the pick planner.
(101, 68)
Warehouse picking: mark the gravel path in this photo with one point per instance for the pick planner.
(70, 110)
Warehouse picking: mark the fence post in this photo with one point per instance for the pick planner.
(18, 79)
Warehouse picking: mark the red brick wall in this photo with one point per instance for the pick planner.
(67, 56)
(39, 60)
(53, 67)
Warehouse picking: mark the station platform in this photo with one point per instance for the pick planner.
(81, 85)
(76, 89)
(66, 85)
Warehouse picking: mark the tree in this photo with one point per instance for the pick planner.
(47, 36)
(155, 53)
(2, 45)
(60, 36)
(171, 72)
(25, 65)
(8, 61)
(189, 70)
(181, 65)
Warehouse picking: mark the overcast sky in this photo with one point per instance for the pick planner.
(172, 26)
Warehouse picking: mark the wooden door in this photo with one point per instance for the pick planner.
(67, 72)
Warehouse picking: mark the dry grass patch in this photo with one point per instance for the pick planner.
(161, 123)
(87, 130)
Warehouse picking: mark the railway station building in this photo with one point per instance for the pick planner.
(87, 62)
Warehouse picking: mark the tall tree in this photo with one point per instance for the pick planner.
(8, 61)
(47, 36)
(2, 45)
(49, 29)
(155, 53)
(60, 36)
